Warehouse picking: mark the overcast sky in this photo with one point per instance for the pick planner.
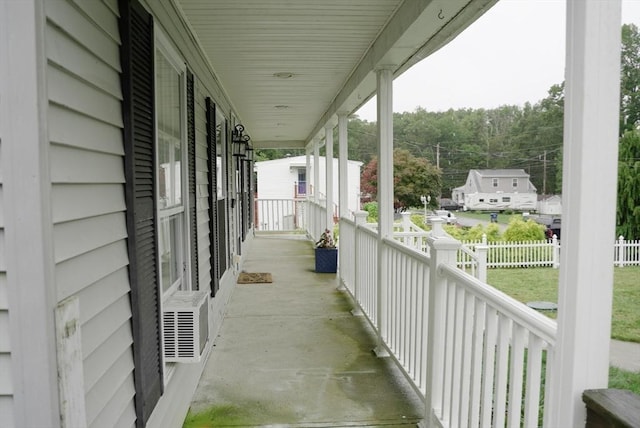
(511, 55)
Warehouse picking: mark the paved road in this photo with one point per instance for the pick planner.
(470, 222)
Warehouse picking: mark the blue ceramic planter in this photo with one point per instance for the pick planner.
(327, 260)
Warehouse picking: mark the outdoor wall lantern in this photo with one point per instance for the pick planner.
(249, 152)
(240, 141)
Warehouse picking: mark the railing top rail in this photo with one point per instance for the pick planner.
(410, 252)
(347, 221)
(366, 228)
(279, 199)
(540, 325)
(411, 234)
(468, 251)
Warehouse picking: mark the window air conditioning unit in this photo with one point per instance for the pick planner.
(186, 326)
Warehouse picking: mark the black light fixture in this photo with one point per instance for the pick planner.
(249, 152)
(240, 141)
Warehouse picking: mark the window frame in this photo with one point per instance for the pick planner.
(164, 47)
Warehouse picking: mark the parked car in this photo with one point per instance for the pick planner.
(447, 216)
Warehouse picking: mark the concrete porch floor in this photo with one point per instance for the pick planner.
(291, 354)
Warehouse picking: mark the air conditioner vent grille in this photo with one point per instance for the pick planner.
(186, 328)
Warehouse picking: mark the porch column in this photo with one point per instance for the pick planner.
(343, 165)
(592, 94)
(308, 194)
(343, 183)
(385, 190)
(328, 146)
(316, 171)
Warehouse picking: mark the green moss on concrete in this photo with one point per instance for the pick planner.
(242, 414)
(215, 416)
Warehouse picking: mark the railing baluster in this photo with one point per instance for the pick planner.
(516, 371)
(502, 370)
(475, 387)
(534, 371)
(488, 362)
(468, 357)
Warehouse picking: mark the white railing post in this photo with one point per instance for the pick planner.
(443, 250)
(406, 221)
(361, 219)
(481, 254)
(484, 239)
(620, 251)
(556, 251)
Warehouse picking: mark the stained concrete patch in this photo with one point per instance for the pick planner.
(293, 355)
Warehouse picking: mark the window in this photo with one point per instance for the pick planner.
(514, 183)
(506, 199)
(170, 175)
(495, 182)
(481, 200)
(493, 200)
(302, 181)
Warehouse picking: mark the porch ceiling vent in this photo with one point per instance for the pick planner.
(186, 326)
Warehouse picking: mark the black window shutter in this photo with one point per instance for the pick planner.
(222, 237)
(212, 154)
(191, 140)
(136, 29)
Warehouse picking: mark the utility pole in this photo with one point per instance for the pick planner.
(544, 173)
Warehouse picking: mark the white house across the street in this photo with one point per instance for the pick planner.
(496, 189)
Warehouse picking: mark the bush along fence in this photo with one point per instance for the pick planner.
(504, 254)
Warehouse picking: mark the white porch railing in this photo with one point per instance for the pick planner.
(476, 355)
(493, 351)
(280, 214)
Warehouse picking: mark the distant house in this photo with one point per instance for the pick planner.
(288, 178)
(496, 189)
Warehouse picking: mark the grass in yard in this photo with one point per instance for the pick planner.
(541, 284)
(622, 379)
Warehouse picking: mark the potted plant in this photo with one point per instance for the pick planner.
(326, 253)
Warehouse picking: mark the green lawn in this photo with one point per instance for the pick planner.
(541, 284)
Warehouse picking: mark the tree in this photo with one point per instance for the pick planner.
(412, 177)
(630, 79)
(628, 212)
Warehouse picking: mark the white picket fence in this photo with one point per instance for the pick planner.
(503, 254)
(511, 254)
(626, 253)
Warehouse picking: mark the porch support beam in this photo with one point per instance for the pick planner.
(591, 131)
(328, 139)
(385, 190)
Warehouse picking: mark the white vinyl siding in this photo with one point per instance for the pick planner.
(87, 195)
(6, 388)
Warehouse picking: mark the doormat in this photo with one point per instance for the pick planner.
(254, 278)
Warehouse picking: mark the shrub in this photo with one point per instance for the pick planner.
(372, 209)
(521, 230)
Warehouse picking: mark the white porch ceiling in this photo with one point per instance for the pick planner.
(330, 48)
